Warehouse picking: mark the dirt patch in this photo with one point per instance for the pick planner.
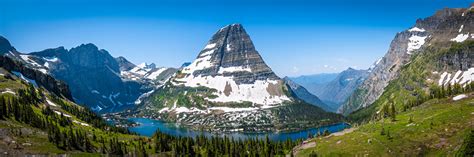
(275, 89)
(227, 89)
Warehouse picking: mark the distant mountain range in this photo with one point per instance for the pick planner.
(95, 78)
(333, 89)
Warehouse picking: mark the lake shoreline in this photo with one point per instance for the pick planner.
(148, 126)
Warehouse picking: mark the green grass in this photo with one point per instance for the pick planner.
(39, 139)
(438, 129)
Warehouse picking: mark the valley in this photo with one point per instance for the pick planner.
(416, 100)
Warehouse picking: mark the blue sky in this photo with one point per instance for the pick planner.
(294, 37)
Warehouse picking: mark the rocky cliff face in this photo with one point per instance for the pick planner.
(228, 87)
(447, 25)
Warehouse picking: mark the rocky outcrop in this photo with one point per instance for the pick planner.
(447, 25)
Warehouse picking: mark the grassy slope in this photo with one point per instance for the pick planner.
(439, 128)
(412, 84)
(9, 129)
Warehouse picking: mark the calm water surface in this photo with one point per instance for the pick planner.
(149, 126)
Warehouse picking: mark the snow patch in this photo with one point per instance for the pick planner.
(229, 109)
(44, 71)
(228, 48)
(27, 59)
(460, 37)
(81, 123)
(139, 100)
(460, 29)
(25, 78)
(415, 42)
(416, 29)
(95, 91)
(51, 59)
(256, 92)
(233, 69)
(8, 90)
(198, 64)
(155, 74)
(51, 103)
(459, 97)
(138, 70)
(59, 113)
(210, 46)
(460, 77)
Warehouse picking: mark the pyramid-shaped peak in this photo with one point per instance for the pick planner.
(231, 52)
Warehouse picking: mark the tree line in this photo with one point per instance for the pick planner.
(220, 146)
(64, 135)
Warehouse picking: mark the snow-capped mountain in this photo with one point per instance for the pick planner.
(94, 77)
(445, 27)
(145, 73)
(227, 79)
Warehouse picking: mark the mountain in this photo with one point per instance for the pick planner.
(339, 89)
(95, 78)
(92, 74)
(333, 89)
(228, 87)
(426, 107)
(124, 64)
(303, 94)
(38, 117)
(445, 27)
(315, 83)
(145, 73)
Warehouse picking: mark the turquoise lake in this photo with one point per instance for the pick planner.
(149, 126)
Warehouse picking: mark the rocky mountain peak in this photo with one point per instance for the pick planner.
(230, 52)
(124, 64)
(89, 56)
(231, 64)
(146, 65)
(5, 45)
